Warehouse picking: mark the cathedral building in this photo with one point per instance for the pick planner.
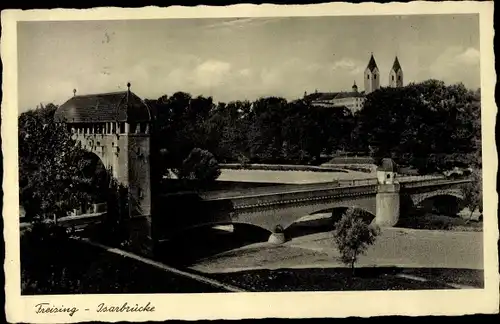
(354, 99)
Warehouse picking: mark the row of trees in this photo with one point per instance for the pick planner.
(430, 126)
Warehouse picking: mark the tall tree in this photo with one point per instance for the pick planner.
(51, 179)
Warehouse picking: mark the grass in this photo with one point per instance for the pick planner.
(339, 279)
(78, 268)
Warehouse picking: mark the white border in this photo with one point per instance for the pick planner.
(253, 305)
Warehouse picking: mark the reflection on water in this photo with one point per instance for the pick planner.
(195, 244)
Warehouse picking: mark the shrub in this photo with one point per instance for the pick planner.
(353, 236)
(200, 165)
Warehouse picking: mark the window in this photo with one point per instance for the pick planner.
(368, 77)
(122, 128)
(388, 176)
(399, 78)
(392, 77)
(375, 77)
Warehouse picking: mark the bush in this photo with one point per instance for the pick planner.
(200, 165)
(353, 236)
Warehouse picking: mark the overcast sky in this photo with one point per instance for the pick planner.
(242, 58)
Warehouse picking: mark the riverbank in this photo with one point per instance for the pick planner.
(395, 247)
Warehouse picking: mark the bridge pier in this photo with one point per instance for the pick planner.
(387, 198)
(277, 238)
(388, 205)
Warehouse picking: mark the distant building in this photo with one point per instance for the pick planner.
(354, 100)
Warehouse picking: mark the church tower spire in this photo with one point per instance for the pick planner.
(371, 76)
(354, 87)
(396, 75)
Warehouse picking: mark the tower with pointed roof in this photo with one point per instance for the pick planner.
(354, 87)
(372, 76)
(396, 75)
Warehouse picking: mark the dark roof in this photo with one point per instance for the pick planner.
(328, 96)
(103, 107)
(396, 66)
(348, 95)
(387, 165)
(372, 64)
(313, 96)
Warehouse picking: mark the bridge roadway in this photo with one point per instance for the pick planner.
(280, 189)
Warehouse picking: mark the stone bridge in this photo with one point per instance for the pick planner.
(266, 210)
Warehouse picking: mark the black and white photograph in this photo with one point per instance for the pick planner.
(249, 154)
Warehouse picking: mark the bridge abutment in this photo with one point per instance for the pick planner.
(388, 204)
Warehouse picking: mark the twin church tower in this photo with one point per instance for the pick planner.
(354, 99)
(372, 75)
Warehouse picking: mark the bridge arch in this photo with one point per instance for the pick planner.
(323, 221)
(447, 202)
(338, 211)
(418, 198)
(92, 167)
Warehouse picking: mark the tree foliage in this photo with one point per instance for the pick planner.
(429, 125)
(352, 236)
(473, 193)
(200, 165)
(55, 173)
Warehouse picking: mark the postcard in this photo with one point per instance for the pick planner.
(247, 161)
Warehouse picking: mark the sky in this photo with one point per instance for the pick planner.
(239, 58)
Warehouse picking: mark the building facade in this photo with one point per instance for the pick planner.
(354, 99)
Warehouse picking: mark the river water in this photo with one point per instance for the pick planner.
(290, 177)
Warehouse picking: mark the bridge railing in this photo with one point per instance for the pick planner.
(405, 179)
(435, 182)
(298, 195)
(287, 188)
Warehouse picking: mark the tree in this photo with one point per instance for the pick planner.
(200, 165)
(473, 193)
(51, 180)
(353, 236)
(428, 125)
